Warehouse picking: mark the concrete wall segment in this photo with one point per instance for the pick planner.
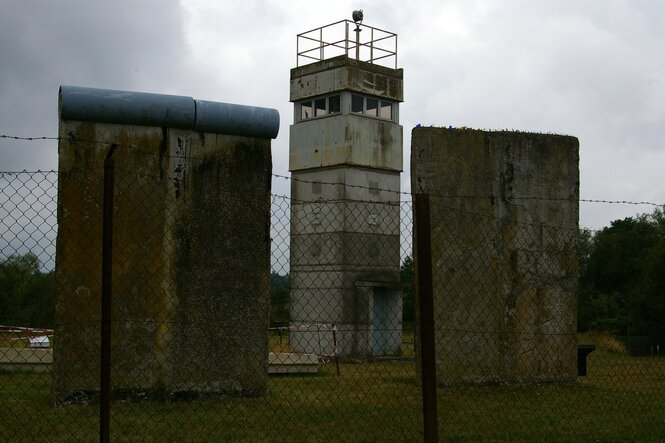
(181, 217)
(344, 183)
(346, 139)
(220, 235)
(342, 73)
(504, 211)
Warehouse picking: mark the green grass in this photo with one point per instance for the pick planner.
(622, 399)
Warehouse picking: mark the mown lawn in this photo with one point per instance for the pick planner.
(622, 399)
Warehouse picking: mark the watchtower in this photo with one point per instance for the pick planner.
(345, 157)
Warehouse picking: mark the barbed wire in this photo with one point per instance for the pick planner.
(399, 204)
(145, 175)
(75, 140)
(468, 196)
(17, 137)
(404, 193)
(622, 202)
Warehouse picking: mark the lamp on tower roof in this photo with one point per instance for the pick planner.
(357, 19)
(358, 16)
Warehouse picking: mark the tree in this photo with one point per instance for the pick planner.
(649, 295)
(622, 277)
(27, 295)
(279, 298)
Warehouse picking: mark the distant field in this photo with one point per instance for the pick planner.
(622, 399)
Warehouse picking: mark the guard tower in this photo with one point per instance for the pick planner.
(345, 157)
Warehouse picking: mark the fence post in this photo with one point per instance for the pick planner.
(426, 302)
(107, 253)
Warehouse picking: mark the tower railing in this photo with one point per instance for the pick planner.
(362, 42)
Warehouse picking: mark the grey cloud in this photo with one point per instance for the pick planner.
(593, 69)
(120, 44)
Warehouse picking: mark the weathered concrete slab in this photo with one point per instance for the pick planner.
(292, 363)
(344, 73)
(504, 216)
(348, 139)
(26, 359)
(191, 218)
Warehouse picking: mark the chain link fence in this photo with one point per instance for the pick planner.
(341, 330)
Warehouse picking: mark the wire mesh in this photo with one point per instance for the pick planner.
(336, 355)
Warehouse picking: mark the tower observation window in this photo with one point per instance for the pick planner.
(357, 104)
(334, 104)
(372, 107)
(320, 107)
(386, 110)
(306, 110)
(360, 104)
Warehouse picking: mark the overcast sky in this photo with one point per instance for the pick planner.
(594, 69)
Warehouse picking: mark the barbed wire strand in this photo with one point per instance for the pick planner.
(435, 195)
(175, 180)
(346, 185)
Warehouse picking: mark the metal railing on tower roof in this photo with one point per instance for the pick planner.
(362, 42)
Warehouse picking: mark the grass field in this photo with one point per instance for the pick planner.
(622, 399)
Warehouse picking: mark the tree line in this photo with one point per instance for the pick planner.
(622, 278)
(27, 295)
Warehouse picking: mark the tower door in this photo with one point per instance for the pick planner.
(386, 321)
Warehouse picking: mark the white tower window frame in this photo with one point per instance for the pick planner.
(317, 107)
(346, 103)
(374, 107)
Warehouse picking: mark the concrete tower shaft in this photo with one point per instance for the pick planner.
(345, 157)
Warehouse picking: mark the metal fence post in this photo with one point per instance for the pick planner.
(107, 253)
(425, 299)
